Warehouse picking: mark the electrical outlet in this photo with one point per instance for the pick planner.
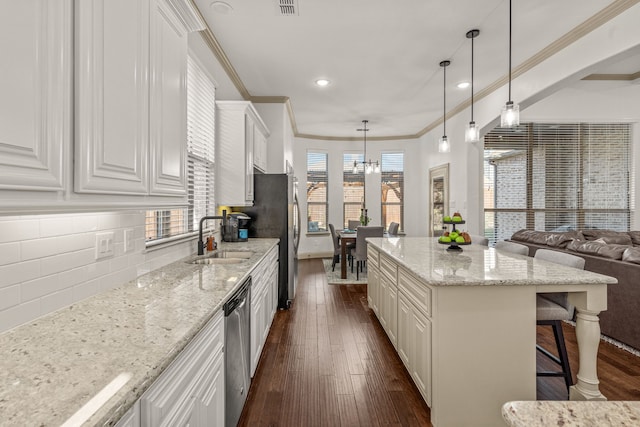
(128, 240)
(104, 244)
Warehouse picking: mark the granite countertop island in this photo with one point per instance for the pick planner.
(578, 414)
(51, 367)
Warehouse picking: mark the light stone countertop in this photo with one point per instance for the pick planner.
(478, 265)
(577, 414)
(51, 367)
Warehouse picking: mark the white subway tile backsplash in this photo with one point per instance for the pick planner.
(48, 261)
(9, 253)
(9, 296)
(41, 248)
(12, 274)
(67, 261)
(17, 230)
(56, 301)
(56, 226)
(19, 314)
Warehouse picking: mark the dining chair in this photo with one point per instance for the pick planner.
(481, 240)
(353, 224)
(336, 247)
(552, 309)
(393, 229)
(511, 247)
(359, 253)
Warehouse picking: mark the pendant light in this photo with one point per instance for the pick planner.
(369, 165)
(443, 143)
(473, 133)
(510, 116)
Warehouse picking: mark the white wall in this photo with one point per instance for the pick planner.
(415, 217)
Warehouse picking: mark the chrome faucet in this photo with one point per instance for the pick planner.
(202, 220)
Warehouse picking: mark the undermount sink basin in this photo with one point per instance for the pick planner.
(224, 257)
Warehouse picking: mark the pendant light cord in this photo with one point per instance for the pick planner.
(444, 106)
(509, 50)
(472, 78)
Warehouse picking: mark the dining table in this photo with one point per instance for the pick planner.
(346, 236)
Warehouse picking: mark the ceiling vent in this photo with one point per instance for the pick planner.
(287, 7)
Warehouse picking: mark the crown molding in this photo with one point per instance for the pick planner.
(629, 77)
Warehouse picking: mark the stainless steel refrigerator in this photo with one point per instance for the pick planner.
(275, 213)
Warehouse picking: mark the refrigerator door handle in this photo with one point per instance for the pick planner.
(296, 238)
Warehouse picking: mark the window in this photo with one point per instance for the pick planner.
(164, 224)
(392, 184)
(317, 196)
(352, 187)
(557, 177)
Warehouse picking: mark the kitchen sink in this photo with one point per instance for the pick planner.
(224, 257)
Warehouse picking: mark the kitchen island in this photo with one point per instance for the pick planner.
(464, 323)
(110, 348)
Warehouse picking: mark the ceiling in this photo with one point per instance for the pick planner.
(382, 57)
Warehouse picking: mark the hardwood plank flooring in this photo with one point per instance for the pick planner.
(328, 362)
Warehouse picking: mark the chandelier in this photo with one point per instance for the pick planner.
(369, 165)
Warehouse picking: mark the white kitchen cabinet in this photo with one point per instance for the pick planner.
(131, 418)
(35, 105)
(373, 283)
(388, 296)
(259, 151)
(238, 123)
(131, 62)
(414, 344)
(191, 390)
(264, 277)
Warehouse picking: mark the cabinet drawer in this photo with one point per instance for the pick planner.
(389, 269)
(419, 293)
(372, 257)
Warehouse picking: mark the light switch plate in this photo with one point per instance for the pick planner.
(104, 244)
(128, 240)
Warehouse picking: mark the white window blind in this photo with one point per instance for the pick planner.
(557, 176)
(164, 224)
(392, 187)
(352, 187)
(317, 195)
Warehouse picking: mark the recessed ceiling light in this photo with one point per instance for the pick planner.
(221, 7)
(463, 85)
(322, 82)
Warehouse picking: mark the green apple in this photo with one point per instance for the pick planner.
(453, 235)
(456, 219)
(447, 218)
(445, 239)
(459, 239)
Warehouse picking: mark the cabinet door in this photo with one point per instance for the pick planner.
(112, 96)
(384, 300)
(35, 88)
(248, 167)
(210, 395)
(421, 363)
(405, 331)
(257, 323)
(131, 418)
(392, 318)
(260, 150)
(168, 111)
(373, 290)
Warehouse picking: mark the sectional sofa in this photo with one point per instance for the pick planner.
(607, 252)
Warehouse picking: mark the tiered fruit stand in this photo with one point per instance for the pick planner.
(454, 246)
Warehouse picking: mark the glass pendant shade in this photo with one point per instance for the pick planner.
(355, 167)
(510, 116)
(443, 145)
(473, 133)
(376, 168)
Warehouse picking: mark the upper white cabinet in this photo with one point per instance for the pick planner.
(260, 151)
(35, 105)
(238, 126)
(130, 81)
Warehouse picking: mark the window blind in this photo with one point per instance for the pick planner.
(557, 176)
(164, 224)
(352, 187)
(392, 187)
(317, 195)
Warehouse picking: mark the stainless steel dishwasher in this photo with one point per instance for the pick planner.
(237, 355)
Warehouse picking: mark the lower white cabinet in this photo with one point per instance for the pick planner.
(414, 344)
(131, 418)
(264, 302)
(373, 282)
(191, 390)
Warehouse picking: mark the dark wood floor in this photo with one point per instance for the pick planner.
(328, 362)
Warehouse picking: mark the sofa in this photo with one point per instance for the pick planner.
(609, 252)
